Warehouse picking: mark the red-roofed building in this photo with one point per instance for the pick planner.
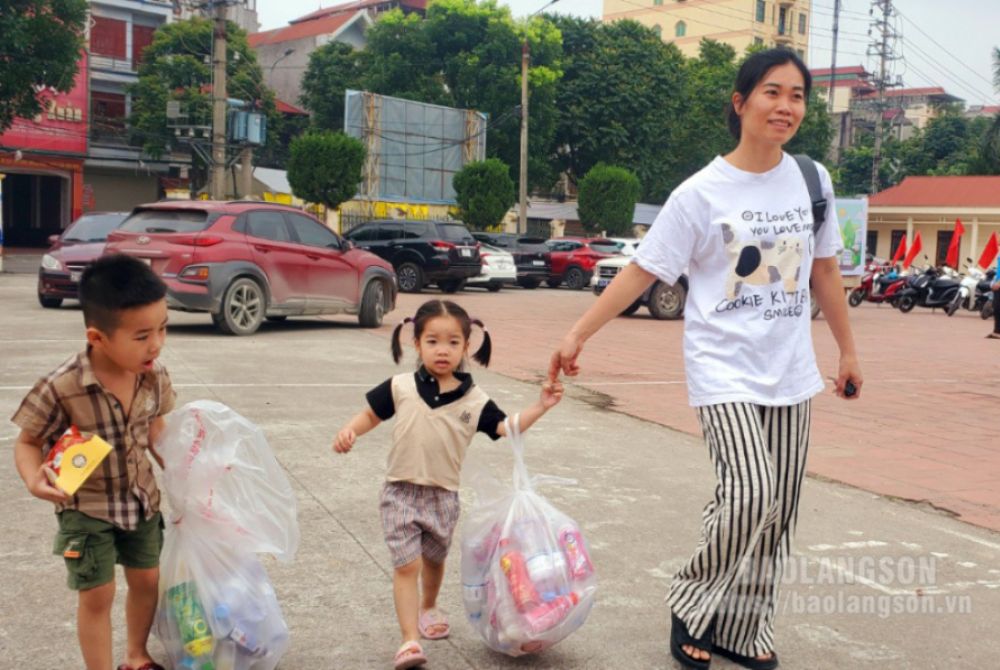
(976, 111)
(930, 205)
(283, 53)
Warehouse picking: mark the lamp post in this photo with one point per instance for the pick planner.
(522, 216)
(270, 73)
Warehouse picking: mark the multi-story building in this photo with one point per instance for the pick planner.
(845, 86)
(739, 23)
(243, 13)
(283, 53)
(904, 110)
(116, 173)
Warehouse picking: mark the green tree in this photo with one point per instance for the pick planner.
(816, 131)
(325, 167)
(619, 101)
(607, 199)
(40, 48)
(484, 191)
(177, 66)
(333, 68)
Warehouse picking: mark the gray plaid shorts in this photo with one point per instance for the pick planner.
(417, 521)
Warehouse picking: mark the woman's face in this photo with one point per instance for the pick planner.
(774, 109)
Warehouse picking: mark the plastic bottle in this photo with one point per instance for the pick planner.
(548, 572)
(521, 589)
(474, 596)
(238, 631)
(188, 612)
(577, 559)
(200, 663)
(547, 615)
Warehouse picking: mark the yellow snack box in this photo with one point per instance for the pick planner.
(74, 457)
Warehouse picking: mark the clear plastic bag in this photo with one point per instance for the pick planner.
(229, 500)
(527, 577)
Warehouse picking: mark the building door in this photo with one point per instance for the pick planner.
(34, 207)
(897, 237)
(943, 240)
(871, 245)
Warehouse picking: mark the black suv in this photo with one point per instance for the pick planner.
(422, 252)
(531, 256)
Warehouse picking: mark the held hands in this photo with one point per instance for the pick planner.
(850, 373)
(41, 486)
(344, 440)
(564, 358)
(552, 393)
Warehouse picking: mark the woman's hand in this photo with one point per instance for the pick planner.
(564, 358)
(850, 371)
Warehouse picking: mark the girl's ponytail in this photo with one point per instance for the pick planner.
(482, 355)
(397, 350)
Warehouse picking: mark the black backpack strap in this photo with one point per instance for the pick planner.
(811, 174)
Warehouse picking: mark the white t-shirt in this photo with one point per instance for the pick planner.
(746, 242)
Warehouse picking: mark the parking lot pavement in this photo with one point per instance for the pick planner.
(874, 582)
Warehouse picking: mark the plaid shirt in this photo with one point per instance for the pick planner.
(122, 490)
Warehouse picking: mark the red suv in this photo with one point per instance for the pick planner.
(573, 259)
(246, 261)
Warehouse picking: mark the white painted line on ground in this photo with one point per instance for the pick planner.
(970, 538)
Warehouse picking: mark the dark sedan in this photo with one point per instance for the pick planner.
(78, 246)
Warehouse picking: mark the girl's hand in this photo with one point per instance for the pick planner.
(850, 370)
(344, 441)
(564, 358)
(552, 393)
(41, 486)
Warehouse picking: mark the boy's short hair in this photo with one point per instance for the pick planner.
(115, 283)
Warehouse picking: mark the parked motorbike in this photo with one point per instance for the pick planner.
(931, 288)
(878, 284)
(987, 311)
(972, 292)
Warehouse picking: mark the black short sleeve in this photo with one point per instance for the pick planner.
(380, 400)
(489, 418)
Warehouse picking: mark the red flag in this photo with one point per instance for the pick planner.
(914, 250)
(956, 239)
(989, 252)
(900, 251)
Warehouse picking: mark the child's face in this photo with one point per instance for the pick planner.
(442, 345)
(138, 339)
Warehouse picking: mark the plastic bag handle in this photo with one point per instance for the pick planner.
(521, 480)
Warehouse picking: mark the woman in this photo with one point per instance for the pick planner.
(742, 228)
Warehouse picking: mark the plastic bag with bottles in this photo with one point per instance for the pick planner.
(229, 500)
(527, 576)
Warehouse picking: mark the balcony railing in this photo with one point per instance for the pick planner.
(124, 65)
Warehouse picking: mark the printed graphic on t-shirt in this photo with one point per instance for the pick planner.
(769, 256)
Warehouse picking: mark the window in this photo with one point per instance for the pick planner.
(107, 106)
(758, 40)
(871, 243)
(657, 3)
(680, 29)
(142, 37)
(802, 23)
(761, 11)
(389, 231)
(167, 221)
(268, 226)
(897, 237)
(782, 23)
(363, 234)
(943, 242)
(107, 37)
(313, 234)
(658, 30)
(454, 232)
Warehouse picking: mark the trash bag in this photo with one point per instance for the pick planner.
(229, 500)
(527, 577)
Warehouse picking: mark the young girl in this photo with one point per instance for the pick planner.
(743, 229)
(438, 410)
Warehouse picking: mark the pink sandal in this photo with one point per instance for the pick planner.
(410, 655)
(430, 619)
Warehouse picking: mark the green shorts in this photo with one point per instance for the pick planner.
(91, 547)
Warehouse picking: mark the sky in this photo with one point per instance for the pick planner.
(946, 44)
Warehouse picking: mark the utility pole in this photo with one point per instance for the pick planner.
(217, 190)
(833, 52)
(522, 217)
(881, 49)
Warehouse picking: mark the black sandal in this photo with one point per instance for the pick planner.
(679, 637)
(747, 661)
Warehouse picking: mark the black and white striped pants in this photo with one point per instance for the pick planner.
(759, 455)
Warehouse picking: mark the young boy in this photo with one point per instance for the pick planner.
(115, 389)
